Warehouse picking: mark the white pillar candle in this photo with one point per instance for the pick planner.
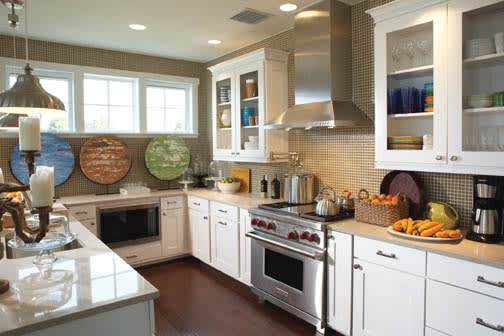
(41, 188)
(49, 171)
(29, 133)
(2, 180)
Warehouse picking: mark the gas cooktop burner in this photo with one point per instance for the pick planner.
(304, 211)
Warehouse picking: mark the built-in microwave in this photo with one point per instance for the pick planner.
(129, 224)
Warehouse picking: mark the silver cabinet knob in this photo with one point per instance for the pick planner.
(357, 266)
(330, 237)
(453, 158)
(439, 157)
(205, 217)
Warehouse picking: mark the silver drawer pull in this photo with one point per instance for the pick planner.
(499, 284)
(488, 325)
(131, 256)
(171, 202)
(92, 223)
(222, 223)
(223, 211)
(81, 213)
(196, 203)
(381, 253)
(205, 217)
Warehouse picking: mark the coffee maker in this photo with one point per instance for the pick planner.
(488, 201)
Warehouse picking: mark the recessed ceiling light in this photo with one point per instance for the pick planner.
(288, 7)
(136, 26)
(214, 41)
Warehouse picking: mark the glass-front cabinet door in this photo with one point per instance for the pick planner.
(224, 123)
(410, 70)
(476, 90)
(250, 103)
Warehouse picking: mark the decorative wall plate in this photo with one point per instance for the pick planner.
(105, 159)
(166, 157)
(55, 152)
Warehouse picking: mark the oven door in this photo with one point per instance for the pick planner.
(289, 272)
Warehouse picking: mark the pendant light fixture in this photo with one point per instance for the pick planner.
(27, 96)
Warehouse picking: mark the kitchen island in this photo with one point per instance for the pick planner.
(92, 292)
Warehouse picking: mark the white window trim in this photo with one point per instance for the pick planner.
(78, 95)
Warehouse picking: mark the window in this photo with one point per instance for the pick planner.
(169, 107)
(110, 104)
(59, 84)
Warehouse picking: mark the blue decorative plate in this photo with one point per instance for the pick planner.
(55, 152)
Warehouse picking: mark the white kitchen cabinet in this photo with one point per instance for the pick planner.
(173, 231)
(199, 233)
(386, 301)
(86, 214)
(245, 250)
(225, 246)
(231, 130)
(339, 282)
(417, 42)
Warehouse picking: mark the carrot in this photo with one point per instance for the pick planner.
(427, 226)
(409, 229)
(432, 231)
(455, 234)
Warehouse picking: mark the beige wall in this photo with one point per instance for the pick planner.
(344, 158)
(93, 57)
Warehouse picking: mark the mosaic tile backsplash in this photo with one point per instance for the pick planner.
(340, 158)
(344, 158)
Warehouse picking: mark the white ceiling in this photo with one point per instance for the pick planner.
(175, 28)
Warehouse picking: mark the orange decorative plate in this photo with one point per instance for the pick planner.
(105, 159)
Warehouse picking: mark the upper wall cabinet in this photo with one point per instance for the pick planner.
(247, 91)
(439, 80)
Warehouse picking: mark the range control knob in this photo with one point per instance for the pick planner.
(292, 235)
(269, 226)
(304, 235)
(313, 237)
(253, 222)
(260, 223)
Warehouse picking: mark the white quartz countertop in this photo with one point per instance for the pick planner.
(89, 280)
(487, 254)
(242, 200)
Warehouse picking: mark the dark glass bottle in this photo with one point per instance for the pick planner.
(264, 187)
(275, 188)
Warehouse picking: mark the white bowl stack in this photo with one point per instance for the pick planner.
(479, 47)
(480, 101)
(253, 143)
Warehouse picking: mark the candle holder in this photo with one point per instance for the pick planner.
(29, 157)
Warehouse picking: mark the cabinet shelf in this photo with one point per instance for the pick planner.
(411, 115)
(250, 99)
(491, 59)
(255, 126)
(499, 109)
(412, 72)
(224, 104)
(225, 128)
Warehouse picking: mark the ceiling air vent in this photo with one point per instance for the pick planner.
(250, 16)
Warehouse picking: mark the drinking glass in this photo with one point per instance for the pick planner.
(409, 50)
(396, 56)
(424, 47)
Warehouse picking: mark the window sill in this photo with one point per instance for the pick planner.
(14, 134)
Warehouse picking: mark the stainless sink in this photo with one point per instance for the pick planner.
(11, 253)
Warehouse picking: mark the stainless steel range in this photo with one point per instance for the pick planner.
(289, 258)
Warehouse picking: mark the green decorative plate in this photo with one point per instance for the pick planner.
(166, 157)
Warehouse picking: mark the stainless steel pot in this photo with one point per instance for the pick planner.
(298, 188)
(325, 205)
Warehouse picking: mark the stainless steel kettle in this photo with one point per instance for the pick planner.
(325, 205)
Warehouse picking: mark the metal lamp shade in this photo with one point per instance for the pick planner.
(10, 120)
(27, 96)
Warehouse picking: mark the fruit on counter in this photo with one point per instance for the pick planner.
(424, 228)
(382, 199)
(229, 180)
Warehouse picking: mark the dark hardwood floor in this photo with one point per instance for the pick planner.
(197, 300)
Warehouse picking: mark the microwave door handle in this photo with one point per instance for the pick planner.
(315, 256)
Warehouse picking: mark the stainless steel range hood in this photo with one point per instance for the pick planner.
(323, 70)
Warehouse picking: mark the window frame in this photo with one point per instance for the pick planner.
(54, 74)
(78, 96)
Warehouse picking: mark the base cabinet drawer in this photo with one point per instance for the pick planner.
(175, 202)
(198, 204)
(140, 253)
(90, 224)
(459, 312)
(390, 255)
(479, 278)
(224, 211)
(83, 212)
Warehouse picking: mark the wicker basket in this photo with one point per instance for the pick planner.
(380, 214)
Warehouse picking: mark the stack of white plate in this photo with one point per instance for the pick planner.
(253, 143)
(479, 47)
(224, 94)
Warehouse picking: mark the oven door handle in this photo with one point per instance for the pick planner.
(315, 256)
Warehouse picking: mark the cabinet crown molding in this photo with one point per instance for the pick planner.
(400, 7)
(257, 55)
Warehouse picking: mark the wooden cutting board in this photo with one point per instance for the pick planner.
(244, 175)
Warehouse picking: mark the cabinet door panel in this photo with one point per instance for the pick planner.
(199, 232)
(172, 230)
(387, 302)
(245, 246)
(400, 64)
(339, 291)
(225, 246)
